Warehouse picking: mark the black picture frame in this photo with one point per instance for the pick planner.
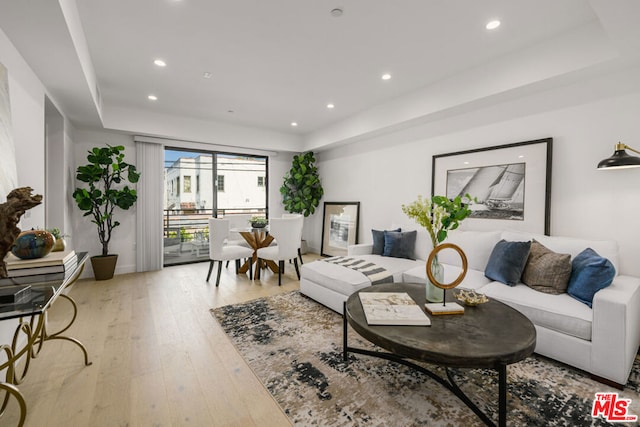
(340, 224)
(530, 207)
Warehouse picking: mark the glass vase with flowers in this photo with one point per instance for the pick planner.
(438, 215)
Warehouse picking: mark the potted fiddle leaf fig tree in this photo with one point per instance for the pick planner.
(106, 176)
(302, 190)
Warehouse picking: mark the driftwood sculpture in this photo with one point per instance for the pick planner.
(18, 202)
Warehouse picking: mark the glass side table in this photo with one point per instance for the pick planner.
(31, 332)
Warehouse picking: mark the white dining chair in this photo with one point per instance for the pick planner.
(219, 251)
(294, 215)
(288, 233)
(236, 222)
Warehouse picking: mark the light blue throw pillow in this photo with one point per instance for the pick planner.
(507, 262)
(378, 241)
(399, 244)
(589, 273)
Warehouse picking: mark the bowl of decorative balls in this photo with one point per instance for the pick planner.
(470, 298)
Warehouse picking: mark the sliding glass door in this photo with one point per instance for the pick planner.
(200, 184)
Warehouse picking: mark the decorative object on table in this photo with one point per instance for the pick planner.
(104, 174)
(60, 244)
(436, 308)
(18, 202)
(620, 159)
(32, 244)
(302, 190)
(258, 222)
(498, 177)
(438, 215)
(470, 297)
(340, 224)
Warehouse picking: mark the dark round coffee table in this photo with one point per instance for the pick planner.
(491, 336)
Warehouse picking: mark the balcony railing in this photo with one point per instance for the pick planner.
(187, 230)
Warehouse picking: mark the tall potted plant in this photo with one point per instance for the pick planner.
(104, 174)
(301, 190)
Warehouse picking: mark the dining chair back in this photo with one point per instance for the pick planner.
(295, 215)
(288, 233)
(219, 251)
(237, 221)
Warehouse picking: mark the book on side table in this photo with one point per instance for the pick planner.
(392, 308)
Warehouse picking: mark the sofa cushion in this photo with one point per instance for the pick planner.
(399, 244)
(345, 280)
(589, 273)
(569, 245)
(507, 262)
(474, 279)
(477, 246)
(547, 271)
(378, 241)
(559, 313)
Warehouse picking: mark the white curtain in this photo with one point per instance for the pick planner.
(149, 232)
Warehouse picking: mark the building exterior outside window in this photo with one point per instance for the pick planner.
(239, 184)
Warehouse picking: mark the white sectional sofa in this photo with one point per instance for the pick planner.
(602, 340)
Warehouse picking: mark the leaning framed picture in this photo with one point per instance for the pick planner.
(340, 222)
(511, 183)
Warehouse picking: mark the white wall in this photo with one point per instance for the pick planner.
(27, 113)
(27, 97)
(387, 171)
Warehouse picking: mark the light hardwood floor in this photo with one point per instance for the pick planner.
(159, 357)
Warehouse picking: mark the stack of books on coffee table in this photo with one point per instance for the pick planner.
(52, 267)
(392, 308)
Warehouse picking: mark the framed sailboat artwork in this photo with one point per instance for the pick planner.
(511, 184)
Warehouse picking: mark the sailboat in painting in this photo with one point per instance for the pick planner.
(499, 191)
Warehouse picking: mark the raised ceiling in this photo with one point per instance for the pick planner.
(275, 62)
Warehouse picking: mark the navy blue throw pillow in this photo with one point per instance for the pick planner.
(507, 262)
(589, 273)
(399, 244)
(378, 241)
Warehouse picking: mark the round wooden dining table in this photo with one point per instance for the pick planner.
(256, 238)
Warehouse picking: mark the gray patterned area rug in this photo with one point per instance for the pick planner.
(294, 346)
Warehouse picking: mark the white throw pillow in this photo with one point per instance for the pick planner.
(477, 246)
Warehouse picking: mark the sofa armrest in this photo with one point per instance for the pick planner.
(360, 249)
(615, 333)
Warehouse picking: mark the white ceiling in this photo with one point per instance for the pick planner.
(278, 61)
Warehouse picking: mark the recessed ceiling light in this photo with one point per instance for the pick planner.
(386, 76)
(330, 106)
(336, 12)
(160, 63)
(230, 111)
(492, 25)
(294, 124)
(207, 75)
(152, 98)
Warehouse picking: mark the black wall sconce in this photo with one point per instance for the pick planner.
(620, 159)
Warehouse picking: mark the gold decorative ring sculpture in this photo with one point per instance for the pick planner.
(462, 274)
